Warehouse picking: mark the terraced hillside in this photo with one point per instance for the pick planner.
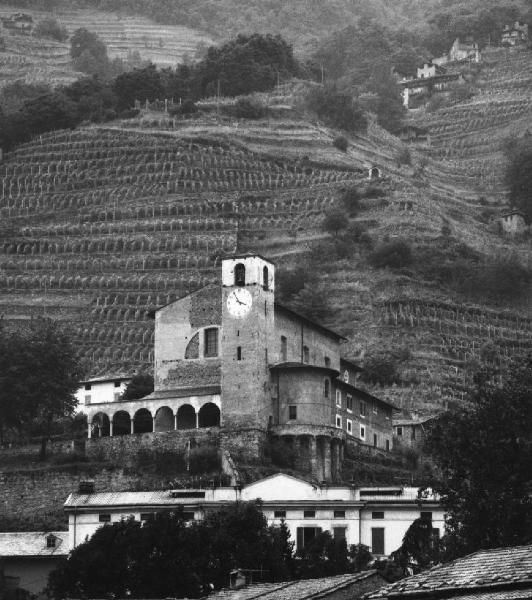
(467, 138)
(37, 60)
(102, 224)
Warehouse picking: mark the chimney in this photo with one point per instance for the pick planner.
(86, 486)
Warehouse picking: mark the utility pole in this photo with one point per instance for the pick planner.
(218, 99)
(322, 74)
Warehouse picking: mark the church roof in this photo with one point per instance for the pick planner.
(291, 313)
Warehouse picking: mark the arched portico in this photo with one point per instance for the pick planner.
(186, 417)
(209, 415)
(121, 423)
(142, 421)
(100, 425)
(164, 419)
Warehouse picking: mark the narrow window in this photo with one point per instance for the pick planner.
(104, 518)
(413, 434)
(377, 540)
(117, 383)
(327, 362)
(265, 276)
(292, 413)
(87, 399)
(375, 409)
(362, 432)
(426, 514)
(399, 431)
(240, 275)
(309, 514)
(88, 386)
(377, 514)
(349, 403)
(279, 514)
(375, 440)
(117, 396)
(388, 445)
(339, 514)
(239, 353)
(326, 386)
(284, 349)
(339, 533)
(306, 354)
(339, 398)
(349, 426)
(51, 541)
(305, 536)
(147, 516)
(211, 342)
(339, 421)
(362, 409)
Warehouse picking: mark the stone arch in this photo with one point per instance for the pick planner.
(164, 419)
(240, 274)
(209, 415)
(186, 417)
(374, 172)
(121, 423)
(142, 421)
(192, 349)
(100, 425)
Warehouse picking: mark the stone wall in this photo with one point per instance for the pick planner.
(33, 498)
(124, 448)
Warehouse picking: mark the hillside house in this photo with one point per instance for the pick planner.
(375, 516)
(19, 22)
(497, 574)
(28, 557)
(411, 433)
(411, 134)
(426, 87)
(101, 390)
(512, 223)
(515, 34)
(429, 70)
(461, 51)
(230, 356)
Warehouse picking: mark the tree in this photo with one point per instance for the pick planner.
(311, 302)
(420, 548)
(322, 557)
(51, 28)
(139, 84)
(335, 221)
(39, 375)
(394, 254)
(140, 385)
(168, 557)
(89, 53)
(486, 470)
(336, 108)
(518, 175)
(381, 369)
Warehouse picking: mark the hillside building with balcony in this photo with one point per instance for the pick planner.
(230, 356)
(377, 517)
(515, 34)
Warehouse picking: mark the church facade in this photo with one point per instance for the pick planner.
(230, 356)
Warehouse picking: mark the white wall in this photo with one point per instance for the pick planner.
(100, 393)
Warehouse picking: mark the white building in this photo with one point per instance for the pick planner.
(100, 390)
(377, 517)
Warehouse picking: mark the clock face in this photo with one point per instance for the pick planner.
(239, 302)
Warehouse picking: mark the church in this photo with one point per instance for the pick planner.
(230, 356)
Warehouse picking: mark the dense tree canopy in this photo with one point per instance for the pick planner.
(39, 375)
(168, 557)
(487, 469)
(140, 385)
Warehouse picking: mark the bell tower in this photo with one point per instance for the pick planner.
(248, 289)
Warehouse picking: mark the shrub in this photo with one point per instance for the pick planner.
(50, 28)
(335, 220)
(336, 109)
(204, 459)
(380, 369)
(404, 156)
(394, 254)
(351, 200)
(373, 191)
(249, 108)
(341, 143)
(281, 454)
